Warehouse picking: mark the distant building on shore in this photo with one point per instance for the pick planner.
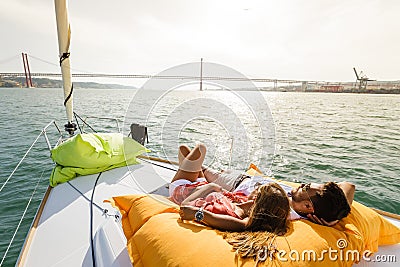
(378, 87)
(351, 87)
(10, 84)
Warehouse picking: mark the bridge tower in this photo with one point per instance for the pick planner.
(201, 74)
(28, 76)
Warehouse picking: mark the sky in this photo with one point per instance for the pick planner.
(288, 39)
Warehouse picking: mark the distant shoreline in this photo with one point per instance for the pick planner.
(268, 91)
(19, 82)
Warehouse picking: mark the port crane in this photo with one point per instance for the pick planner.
(361, 80)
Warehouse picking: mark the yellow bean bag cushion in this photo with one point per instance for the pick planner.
(157, 237)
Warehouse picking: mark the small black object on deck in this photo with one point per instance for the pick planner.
(139, 133)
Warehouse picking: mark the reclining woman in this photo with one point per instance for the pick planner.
(265, 209)
(321, 203)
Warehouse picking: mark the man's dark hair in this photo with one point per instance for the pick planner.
(330, 204)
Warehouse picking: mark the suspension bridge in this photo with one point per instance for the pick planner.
(28, 74)
(274, 84)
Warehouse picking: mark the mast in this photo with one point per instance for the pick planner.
(64, 35)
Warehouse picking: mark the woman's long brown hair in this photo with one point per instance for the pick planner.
(270, 210)
(268, 218)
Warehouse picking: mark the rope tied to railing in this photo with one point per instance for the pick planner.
(43, 132)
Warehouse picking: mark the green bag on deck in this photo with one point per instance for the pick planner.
(92, 153)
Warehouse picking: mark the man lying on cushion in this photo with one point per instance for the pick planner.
(321, 203)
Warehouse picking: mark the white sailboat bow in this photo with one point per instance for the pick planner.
(61, 233)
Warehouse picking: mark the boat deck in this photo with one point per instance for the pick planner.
(53, 242)
(60, 235)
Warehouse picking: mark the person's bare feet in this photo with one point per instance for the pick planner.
(194, 160)
(183, 151)
(190, 167)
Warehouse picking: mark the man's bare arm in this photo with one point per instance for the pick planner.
(348, 190)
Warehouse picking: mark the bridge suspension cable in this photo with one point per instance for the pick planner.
(147, 76)
(88, 74)
(6, 60)
(54, 64)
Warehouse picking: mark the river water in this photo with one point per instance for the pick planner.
(311, 137)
